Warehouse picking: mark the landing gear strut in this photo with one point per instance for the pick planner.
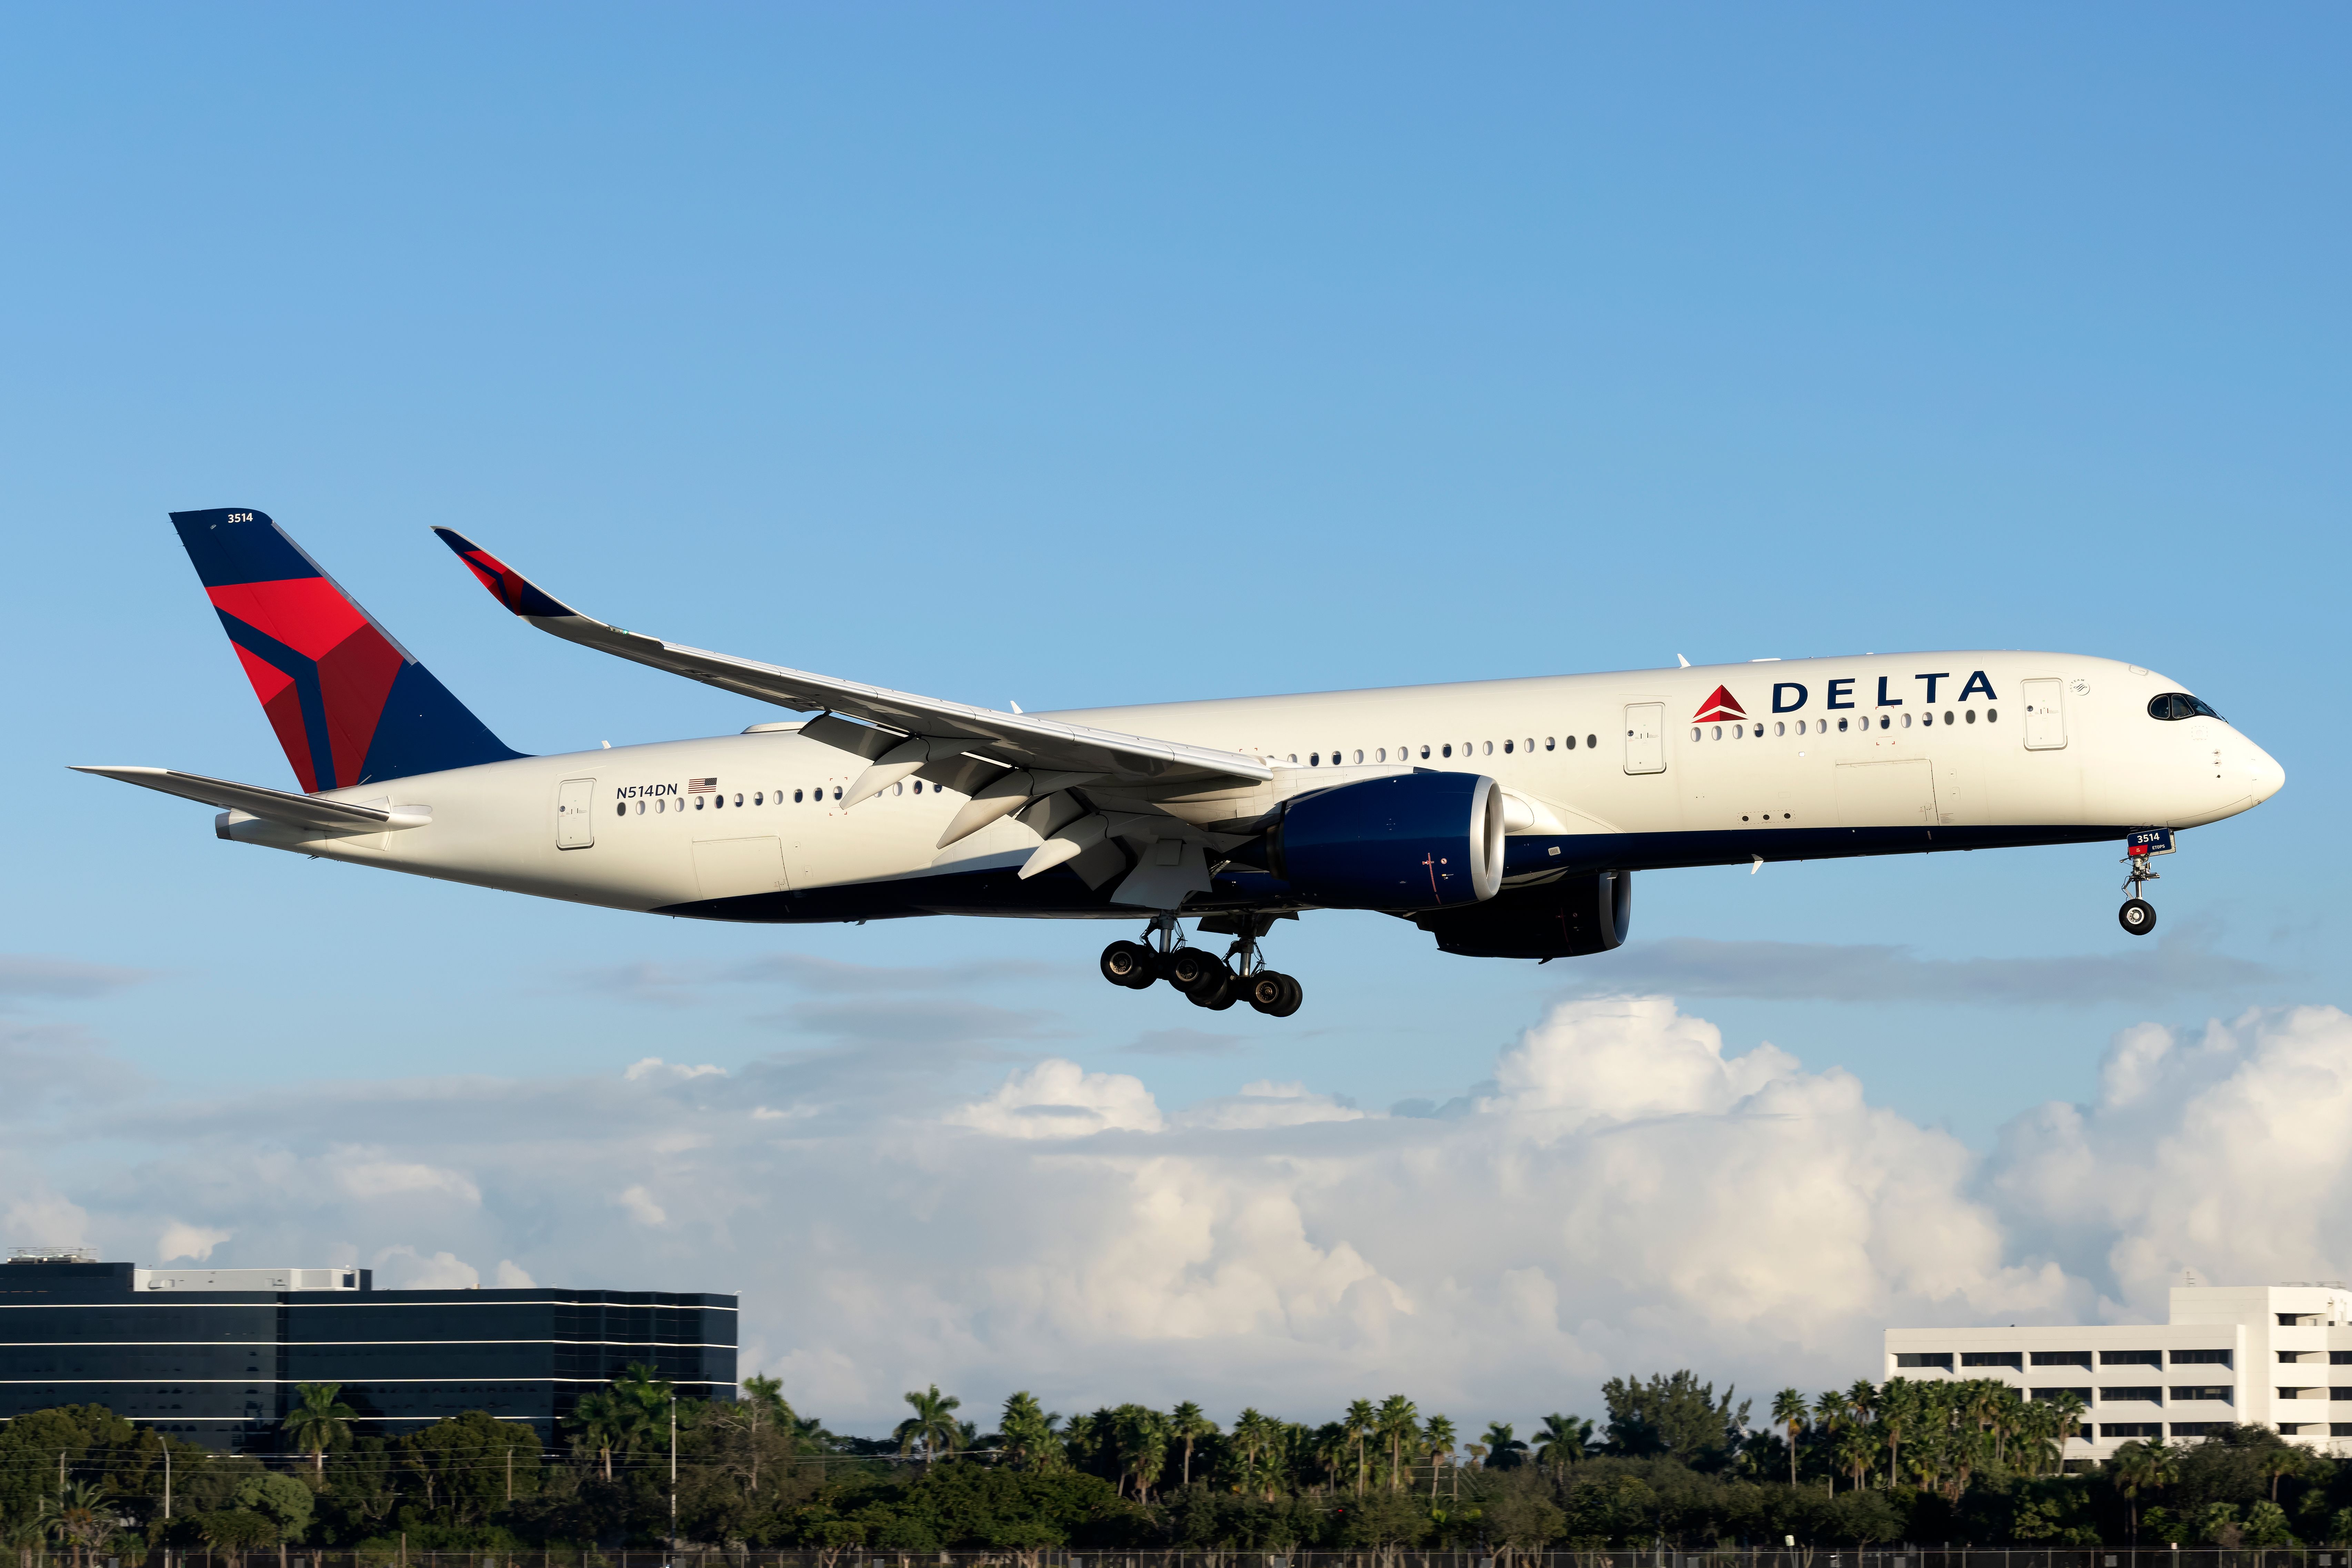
(1206, 980)
(2137, 915)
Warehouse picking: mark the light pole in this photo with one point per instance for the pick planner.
(673, 1471)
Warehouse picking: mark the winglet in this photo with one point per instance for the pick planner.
(511, 587)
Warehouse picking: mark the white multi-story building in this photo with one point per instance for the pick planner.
(2276, 1355)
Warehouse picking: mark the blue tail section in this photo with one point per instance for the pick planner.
(350, 705)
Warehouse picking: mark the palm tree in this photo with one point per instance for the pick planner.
(1856, 1448)
(1399, 1422)
(1503, 1451)
(2279, 1463)
(2070, 1409)
(600, 1425)
(1437, 1437)
(77, 1516)
(1358, 1423)
(1829, 1415)
(1142, 1436)
(317, 1421)
(1898, 1407)
(1186, 1424)
(933, 1424)
(1560, 1441)
(2131, 1470)
(1788, 1411)
(1028, 1432)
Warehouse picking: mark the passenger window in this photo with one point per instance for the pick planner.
(796, 797)
(620, 808)
(661, 804)
(1907, 721)
(1549, 743)
(641, 808)
(1424, 754)
(1719, 731)
(759, 797)
(1531, 743)
(1694, 732)
(1294, 757)
(1780, 727)
(1591, 742)
(899, 788)
(1972, 715)
(1360, 755)
(1506, 748)
(1572, 742)
(919, 787)
(1992, 715)
(1490, 748)
(836, 792)
(1884, 722)
(739, 797)
(1380, 755)
(1948, 715)
(1842, 726)
(1447, 750)
(1313, 759)
(698, 801)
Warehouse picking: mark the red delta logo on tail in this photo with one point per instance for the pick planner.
(1720, 704)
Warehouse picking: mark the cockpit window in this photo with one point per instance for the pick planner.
(2180, 705)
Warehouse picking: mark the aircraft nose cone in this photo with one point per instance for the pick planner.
(2269, 778)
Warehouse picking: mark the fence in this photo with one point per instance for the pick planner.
(862, 1557)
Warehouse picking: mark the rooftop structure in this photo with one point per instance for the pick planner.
(2275, 1356)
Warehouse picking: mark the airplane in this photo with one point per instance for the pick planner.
(1505, 818)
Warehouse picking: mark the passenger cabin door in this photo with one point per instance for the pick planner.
(2045, 716)
(575, 828)
(1645, 737)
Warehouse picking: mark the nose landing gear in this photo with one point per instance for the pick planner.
(2139, 916)
(1206, 980)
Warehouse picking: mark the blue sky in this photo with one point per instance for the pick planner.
(1084, 355)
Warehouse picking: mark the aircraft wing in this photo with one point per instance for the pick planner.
(927, 729)
(306, 811)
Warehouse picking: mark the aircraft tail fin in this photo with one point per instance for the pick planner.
(349, 703)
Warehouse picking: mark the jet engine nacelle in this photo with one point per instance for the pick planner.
(1413, 841)
(1565, 919)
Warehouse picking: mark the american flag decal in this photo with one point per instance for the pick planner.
(701, 786)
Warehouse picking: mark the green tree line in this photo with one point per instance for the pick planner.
(1670, 1462)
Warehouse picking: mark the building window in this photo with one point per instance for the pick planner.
(2081, 1394)
(2218, 1392)
(2062, 1358)
(2110, 1431)
(2201, 1358)
(1924, 1358)
(2131, 1358)
(2136, 1395)
(2207, 1428)
(2013, 1360)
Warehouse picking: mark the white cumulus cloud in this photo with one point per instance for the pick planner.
(1620, 1194)
(194, 1241)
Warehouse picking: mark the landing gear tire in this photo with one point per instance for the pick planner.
(1189, 969)
(1274, 994)
(1131, 965)
(2137, 915)
(1218, 991)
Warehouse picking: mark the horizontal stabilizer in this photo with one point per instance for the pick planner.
(271, 805)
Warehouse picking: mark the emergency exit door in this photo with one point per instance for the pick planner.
(575, 828)
(2045, 716)
(1645, 737)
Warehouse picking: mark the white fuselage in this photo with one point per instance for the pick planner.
(1813, 757)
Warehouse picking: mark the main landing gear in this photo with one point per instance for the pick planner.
(1206, 980)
